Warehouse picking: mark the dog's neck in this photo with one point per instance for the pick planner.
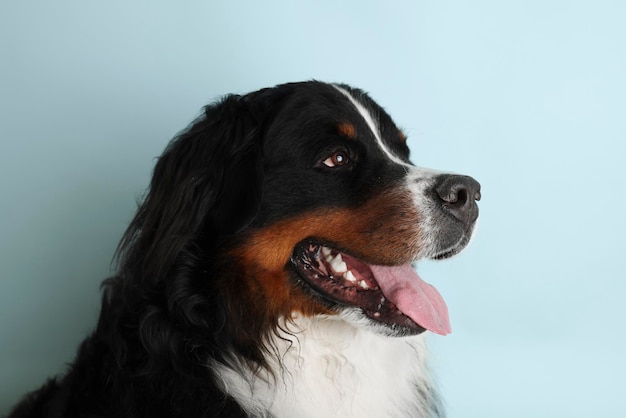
(325, 367)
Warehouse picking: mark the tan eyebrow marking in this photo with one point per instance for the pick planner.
(401, 135)
(347, 129)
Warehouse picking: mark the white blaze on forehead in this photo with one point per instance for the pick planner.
(416, 173)
(372, 124)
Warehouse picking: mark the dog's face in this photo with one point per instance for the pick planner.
(342, 214)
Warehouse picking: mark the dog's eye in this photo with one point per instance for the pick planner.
(339, 158)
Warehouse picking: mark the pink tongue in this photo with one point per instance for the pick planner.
(414, 297)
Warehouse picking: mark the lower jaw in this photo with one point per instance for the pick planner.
(367, 307)
(361, 319)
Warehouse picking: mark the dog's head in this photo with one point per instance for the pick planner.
(301, 199)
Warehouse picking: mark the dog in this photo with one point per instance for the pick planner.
(268, 271)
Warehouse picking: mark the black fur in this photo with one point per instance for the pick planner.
(162, 317)
(165, 314)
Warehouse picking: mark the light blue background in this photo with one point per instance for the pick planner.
(527, 96)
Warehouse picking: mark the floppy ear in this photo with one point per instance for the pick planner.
(206, 184)
(230, 172)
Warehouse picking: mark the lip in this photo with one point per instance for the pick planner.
(456, 248)
(335, 291)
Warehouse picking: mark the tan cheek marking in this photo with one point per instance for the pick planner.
(347, 130)
(402, 136)
(385, 230)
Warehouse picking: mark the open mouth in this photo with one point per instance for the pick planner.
(392, 295)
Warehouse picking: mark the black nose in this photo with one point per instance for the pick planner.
(458, 195)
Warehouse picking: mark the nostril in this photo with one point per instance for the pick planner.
(459, 195)
(454, 189)
(456, 196)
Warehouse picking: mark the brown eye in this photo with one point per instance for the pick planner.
(337, 159)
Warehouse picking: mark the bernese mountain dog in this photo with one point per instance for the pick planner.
(269, 272)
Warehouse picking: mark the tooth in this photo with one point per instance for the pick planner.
(349, 276)
(326, 251)
(340, 267)
(338, 264)
(363, 284)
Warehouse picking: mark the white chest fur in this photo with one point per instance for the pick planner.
(330, 368)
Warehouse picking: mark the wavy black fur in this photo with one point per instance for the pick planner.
(179, 303)
(162, 316)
